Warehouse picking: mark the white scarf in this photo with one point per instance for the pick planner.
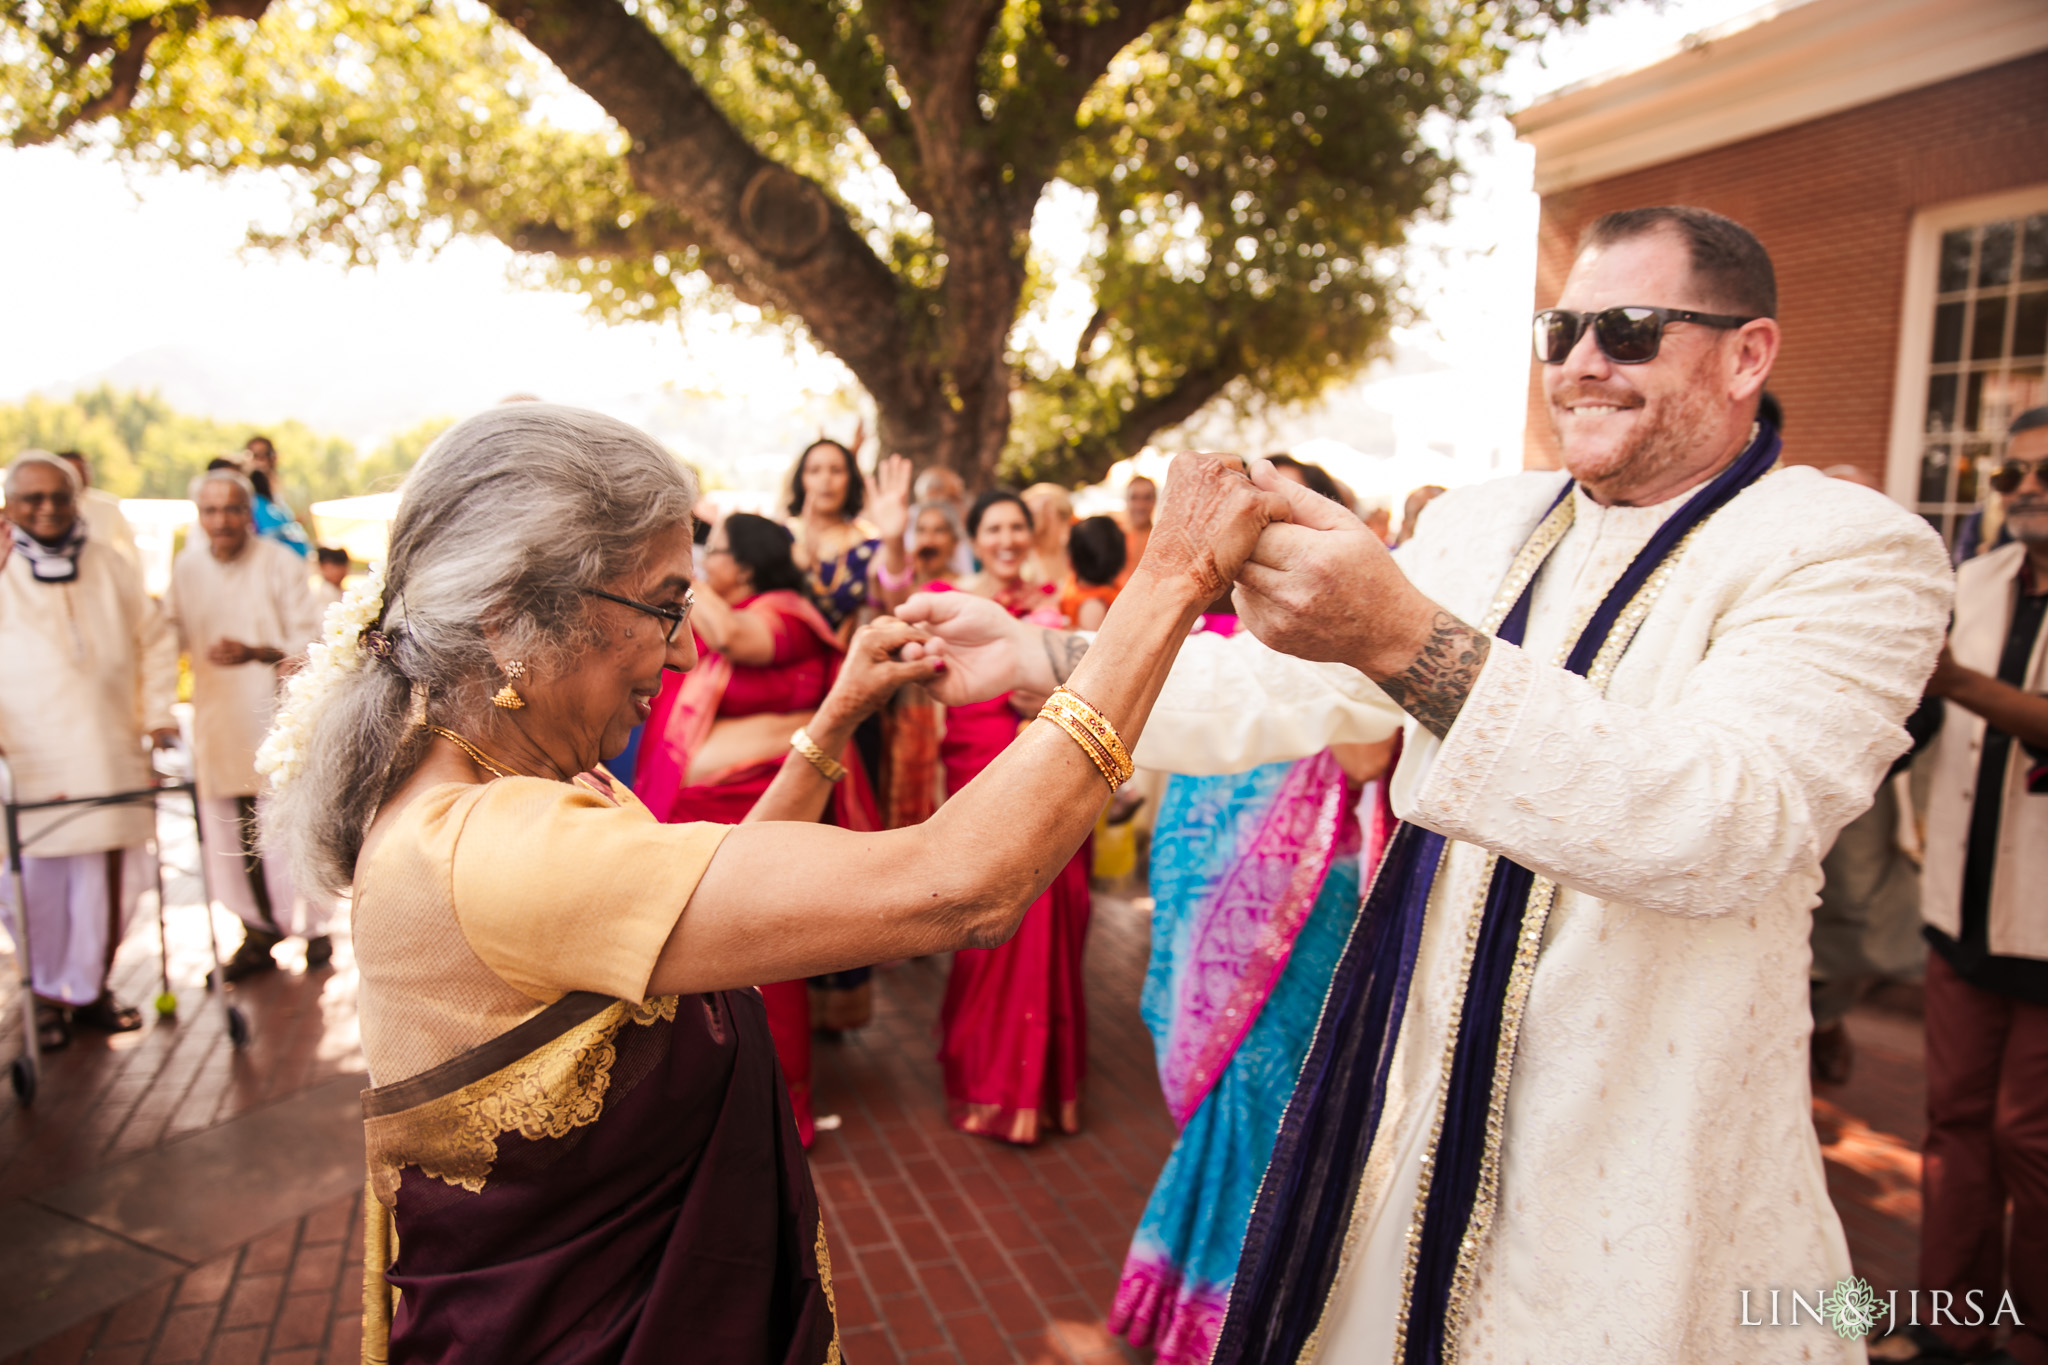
(56, 563)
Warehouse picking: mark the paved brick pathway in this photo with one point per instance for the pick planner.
(945, 1248)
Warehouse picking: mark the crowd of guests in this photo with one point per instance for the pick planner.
(778, 602)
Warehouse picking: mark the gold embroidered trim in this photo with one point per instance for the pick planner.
(1528, 561)
(832, 1356)
(379, 1243)
(549, 1093)
(1474, 916)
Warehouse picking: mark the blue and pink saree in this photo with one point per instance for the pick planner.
(1255, 883)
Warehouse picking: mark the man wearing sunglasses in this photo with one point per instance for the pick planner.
(1556, 1106)
(1984, 896)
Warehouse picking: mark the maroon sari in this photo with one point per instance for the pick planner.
(601, 1183)
(1014, 1025)
(796, 678)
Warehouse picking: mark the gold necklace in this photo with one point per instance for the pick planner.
(481, 758)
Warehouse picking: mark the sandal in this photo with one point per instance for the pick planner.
(53, 1027)
(107, 1015)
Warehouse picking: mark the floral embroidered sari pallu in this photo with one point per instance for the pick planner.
(592, 1185)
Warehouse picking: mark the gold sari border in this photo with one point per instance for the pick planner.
(548, 1090)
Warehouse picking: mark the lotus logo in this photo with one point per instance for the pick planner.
(1851, 1308)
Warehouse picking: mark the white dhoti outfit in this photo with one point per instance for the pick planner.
(87, 669)
(79, 908)
(263, 599)
(1657, 1151)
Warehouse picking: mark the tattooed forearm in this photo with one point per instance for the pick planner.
(1063, 652)
(1433, 687)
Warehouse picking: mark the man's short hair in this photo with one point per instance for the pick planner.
(1729, 264)
(2028, 421)
(330, 554)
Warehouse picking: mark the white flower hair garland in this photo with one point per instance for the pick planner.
(339, 651)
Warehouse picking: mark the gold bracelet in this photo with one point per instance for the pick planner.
(830, 769)
(1070, 703)
(1087, 743)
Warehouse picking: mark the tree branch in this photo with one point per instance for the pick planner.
(777, 230)
(76, 47)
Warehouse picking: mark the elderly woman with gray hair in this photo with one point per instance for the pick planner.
(577, 1134)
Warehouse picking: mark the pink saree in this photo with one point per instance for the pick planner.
(807, 656)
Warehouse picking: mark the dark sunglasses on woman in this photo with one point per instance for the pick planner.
(2009, 476)
(1626, 336)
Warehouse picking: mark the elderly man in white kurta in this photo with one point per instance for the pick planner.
(88, 678)
(242, 606)
(1648, 1153)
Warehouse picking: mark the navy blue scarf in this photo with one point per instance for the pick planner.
(1295, 1241)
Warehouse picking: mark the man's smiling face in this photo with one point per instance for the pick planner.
(1622, 425)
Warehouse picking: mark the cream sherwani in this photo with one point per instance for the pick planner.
(87, 668)
(1658, 1155)
(263, 598)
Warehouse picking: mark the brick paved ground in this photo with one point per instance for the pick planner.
(945, 1248)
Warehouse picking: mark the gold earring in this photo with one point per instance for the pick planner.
(508, 696)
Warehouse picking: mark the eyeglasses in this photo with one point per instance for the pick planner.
(1626, 336)
(2009, 476)
(675, 616)
(61, 498)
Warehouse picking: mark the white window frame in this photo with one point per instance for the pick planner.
(1916, 324)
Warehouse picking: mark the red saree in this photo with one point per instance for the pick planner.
(1014, 1025)
(806, 659)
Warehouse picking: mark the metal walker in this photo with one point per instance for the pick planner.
(25, 1071)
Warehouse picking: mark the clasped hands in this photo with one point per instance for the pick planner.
(1310, 580)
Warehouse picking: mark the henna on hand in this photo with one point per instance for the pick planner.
(1434, 685)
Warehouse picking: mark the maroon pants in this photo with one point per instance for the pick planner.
(1987, 1142)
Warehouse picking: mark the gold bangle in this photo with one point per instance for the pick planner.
(1088, 743)
(1067, 702)
(831, 769)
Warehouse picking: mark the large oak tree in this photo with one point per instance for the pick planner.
(867, 168)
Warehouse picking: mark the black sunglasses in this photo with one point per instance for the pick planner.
(1626, 336)
(675, 616)
(2009, 476)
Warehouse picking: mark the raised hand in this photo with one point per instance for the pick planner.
(890, 510)
(1209, 519)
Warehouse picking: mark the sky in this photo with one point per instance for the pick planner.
(144, 278)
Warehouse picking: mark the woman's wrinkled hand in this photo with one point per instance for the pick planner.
(883, 655)
(1210, 517)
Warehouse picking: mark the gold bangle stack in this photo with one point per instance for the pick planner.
(1093, 732)
(831, 769)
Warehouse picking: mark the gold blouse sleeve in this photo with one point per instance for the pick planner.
(558, 889)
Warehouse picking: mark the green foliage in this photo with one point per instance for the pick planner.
(1253, 164)
(141, 447)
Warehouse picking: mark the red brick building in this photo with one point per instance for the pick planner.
(1893, 157)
